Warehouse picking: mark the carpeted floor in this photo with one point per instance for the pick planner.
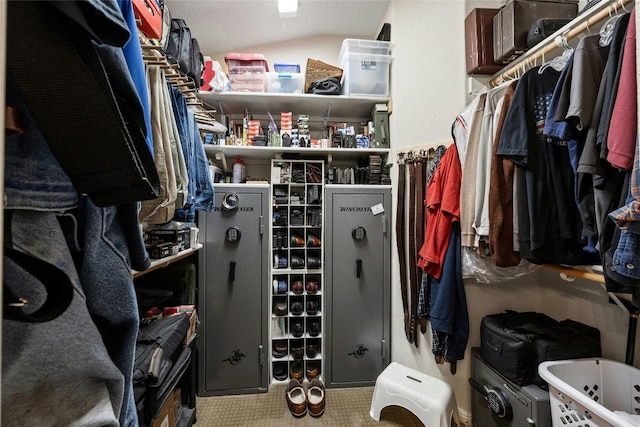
(345, 407)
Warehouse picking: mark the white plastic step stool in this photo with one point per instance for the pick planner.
(430, 399)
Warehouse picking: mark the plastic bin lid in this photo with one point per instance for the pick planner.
(287, 67)
(247, 57)
(378, 45)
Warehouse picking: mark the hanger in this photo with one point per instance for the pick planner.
(559, 62)
(606, 32)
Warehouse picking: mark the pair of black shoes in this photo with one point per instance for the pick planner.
(296, 308)
(280, 349)
(314, 328)
(281, 371)
(297, 328)
(297, 262)
(313, 262)
(312, 307)
(297, 353)
(297, 240)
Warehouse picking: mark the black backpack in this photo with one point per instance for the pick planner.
(184, 50)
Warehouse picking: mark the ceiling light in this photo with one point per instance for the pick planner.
(287, 8)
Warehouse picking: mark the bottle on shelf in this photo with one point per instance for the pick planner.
(237, 171)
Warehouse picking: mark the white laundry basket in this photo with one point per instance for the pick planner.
(592, 392)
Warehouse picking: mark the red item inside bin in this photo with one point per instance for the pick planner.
(148, 18)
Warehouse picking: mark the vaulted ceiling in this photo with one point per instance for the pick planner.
(230, 25)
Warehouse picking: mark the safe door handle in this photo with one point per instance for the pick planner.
(232, 271)
(358, 268)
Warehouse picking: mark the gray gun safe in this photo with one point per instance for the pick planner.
(357, 283)
(232, 299)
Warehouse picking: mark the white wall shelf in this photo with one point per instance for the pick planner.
(255, 152)
(333, 107)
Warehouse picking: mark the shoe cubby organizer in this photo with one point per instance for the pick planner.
(297, 270)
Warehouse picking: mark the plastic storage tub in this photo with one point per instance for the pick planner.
(286, 67)
(369, 47)
(246, 71)
(592, 392)
(365, 74)
(285, 82)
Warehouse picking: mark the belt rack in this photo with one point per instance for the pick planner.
(413, 166)
(152, 54)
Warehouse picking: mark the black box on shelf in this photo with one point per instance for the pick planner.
(179, 236)
(162, 250)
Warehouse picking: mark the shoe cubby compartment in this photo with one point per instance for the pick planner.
(279, 328)
(280, 285)
(297, 195)
(280, 217)
(297, 350)
(312, 284)
(313, 305)
(314, 257)
(313, 326)
(280, 307)
(312, 348)
(296, 327)
(296, 305)
(297, 252)
(280, 239)
(314, 217)
(280, 371)
(313, 238)
(297, 239)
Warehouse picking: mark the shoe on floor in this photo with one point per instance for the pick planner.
(296, 399)
(315, 398)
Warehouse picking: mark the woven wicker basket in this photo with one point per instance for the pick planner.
(318, 70)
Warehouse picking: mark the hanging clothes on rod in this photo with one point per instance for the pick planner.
(584, 22)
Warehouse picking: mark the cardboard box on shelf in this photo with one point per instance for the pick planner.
(166, 416)
(177, 402)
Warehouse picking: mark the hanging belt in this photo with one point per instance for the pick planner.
(400, 242)
(413, 255)
(419, 227)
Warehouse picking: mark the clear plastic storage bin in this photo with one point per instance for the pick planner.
(285, 82)
(369, 47)
(246, 71)
(365, 74)
(592, 392)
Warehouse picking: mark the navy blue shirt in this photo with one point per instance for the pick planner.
(546, 192)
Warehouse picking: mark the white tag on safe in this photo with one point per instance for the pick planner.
(377, 209)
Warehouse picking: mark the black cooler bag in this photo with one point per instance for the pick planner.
(515, 343)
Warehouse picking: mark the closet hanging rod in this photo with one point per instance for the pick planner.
(576, 27)
(572, 272)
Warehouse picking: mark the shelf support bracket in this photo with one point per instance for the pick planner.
(325, 119)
